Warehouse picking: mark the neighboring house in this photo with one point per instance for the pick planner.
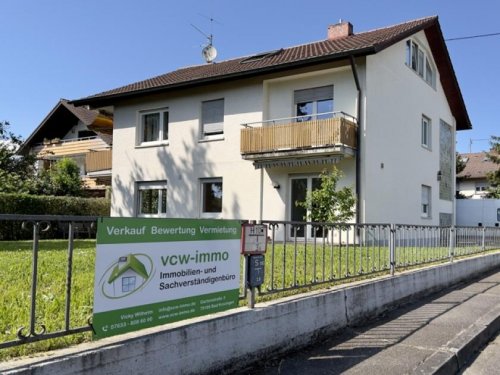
(78, 133)
(246, 138)
(472, 182)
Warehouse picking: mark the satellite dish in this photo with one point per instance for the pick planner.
(209, 53)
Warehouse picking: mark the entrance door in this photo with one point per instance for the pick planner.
(299, 187)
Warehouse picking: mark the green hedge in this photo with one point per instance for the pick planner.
(23, 204)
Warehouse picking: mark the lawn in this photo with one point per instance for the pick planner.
(15, 299)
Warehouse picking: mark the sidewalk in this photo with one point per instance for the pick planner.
(438, 335)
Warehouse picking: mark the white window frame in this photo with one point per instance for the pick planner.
(426, 132)
(214, 134)
(314, 96)
(161, 186)
(426, 202)
(210, 214)
(163, 129)
(418, 60)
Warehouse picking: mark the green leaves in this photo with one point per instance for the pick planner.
(329, 204)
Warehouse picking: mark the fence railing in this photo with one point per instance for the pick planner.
(47, 268)
(299, 255)
(303, 254)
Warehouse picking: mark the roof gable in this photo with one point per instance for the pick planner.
(59, 122)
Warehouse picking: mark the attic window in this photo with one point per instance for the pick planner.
(261, 56)
(419, 61)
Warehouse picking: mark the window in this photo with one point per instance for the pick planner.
(426, 132)
(212, 119)
(152, 199)
(419, 61)
(153, 127)
(314, 103)
(211, 196)
(128, 284)
(426, 201)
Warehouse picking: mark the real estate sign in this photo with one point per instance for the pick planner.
(155, 271)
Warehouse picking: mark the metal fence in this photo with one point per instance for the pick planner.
(299, 255)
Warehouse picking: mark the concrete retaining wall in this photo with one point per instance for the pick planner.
(231, 340)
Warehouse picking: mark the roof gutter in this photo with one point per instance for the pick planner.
(358, 140)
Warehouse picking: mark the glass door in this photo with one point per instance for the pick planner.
(299, 188)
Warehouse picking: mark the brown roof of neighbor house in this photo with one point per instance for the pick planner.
(59, 121)
(360, 44)
(477, 165)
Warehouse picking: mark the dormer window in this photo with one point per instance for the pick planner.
(418, 60)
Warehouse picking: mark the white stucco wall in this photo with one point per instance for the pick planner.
(186, 159)
(395, 165)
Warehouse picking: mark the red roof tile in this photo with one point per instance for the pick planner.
(477, 165)
(360, 44)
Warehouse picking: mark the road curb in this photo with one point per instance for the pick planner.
(456, 354)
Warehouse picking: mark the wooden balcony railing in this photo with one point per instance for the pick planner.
(337, 131)
(98, 160)
(69, 147)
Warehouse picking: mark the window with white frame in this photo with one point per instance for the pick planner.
(212, 119)
(426, 202)
(314, 103)
(153, 127)
(418, 60)
(152, 199)
(211, 195)
(426, 132)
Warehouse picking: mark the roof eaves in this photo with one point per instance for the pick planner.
(35, 132)
(97, 101)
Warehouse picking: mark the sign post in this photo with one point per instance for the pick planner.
(156, 271)
(253, 247)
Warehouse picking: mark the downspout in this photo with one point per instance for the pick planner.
(358, 140)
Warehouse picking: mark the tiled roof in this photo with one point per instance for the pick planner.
(360, 44)
(371, 40)
(477, 166)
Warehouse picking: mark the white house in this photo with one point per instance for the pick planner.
(246, 138)
(473, 182)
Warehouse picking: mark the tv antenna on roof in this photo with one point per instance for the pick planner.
(208, 52)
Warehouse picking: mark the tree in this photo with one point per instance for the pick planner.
(327, 203)
(17, 172)
(494, 177)
(62, 179)
(460, 163)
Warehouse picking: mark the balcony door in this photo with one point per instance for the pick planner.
(299, 187)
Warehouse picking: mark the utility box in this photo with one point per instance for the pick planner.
(255, 272)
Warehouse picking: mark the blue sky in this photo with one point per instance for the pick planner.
(54, 49)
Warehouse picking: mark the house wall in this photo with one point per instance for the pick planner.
(394, 164)
(468, 188)
(186, 159)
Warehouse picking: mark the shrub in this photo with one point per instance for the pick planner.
(24, 204)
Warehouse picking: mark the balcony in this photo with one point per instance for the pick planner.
(299, 137)
(69, 147)
(96, 161)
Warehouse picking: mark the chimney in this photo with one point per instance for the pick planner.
(339, 30)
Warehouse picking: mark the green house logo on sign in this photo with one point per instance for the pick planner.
(126, 276)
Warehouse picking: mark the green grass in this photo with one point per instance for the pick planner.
(15, 299)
